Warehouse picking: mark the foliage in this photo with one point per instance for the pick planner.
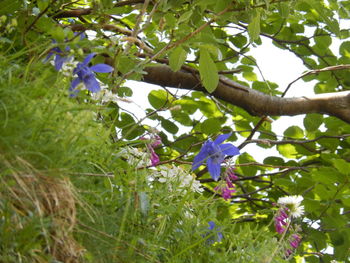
(124, 211)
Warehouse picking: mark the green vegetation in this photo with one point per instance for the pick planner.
(84, 179)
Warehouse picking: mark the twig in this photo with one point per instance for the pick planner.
(316, 71)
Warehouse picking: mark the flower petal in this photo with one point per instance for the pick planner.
(222, 138)
(211, 225)
(214, 169)
(59, 60)
(229, 149)
(74, 84)
(88, 59)
(91, 83)
(102, 68)
(200, 158)
(49, 55)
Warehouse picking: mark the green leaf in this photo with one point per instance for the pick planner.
(125, 120)
(284, 9)
(185, 16)
(274, 160)
(159, 98)
(169, 126)
(124, 91)
(212, 125)
(181, 117)
(9, 6)
(294, 132)
(313, 121)
(247, 170)
(57, 33)
(177, 58)
(208, 71)
(331, 23)
(250, 76)
(287, 150)
(342, 166)
(42, 4)
(254, 25)
(283, 182)
(325, 175)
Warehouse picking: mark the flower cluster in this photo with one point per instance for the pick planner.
(290, 207)
(281, 221)
(85, 73)
(134, 156)
(227, 188)
(106, 96)
(176, 179)
(294, 243)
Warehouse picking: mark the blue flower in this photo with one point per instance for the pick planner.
(87, 76)
(60, 56)
(214, 153)
(219, 235)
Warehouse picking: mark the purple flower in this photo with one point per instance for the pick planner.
(227, 193)
(214, 153)
(60, 57)
(295, 241)
(280, 221)
(226, 190)
(87, 76)
(154, 157)
(156, 141)
(231, 174)
(219, 235)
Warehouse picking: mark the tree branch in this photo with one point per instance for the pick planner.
(255, 102)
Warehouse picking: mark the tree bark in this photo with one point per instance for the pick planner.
(255, 102)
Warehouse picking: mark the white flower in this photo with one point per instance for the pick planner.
(177, 179)
(68, 67)
(105, 95)
(292, 202)
(134, 156)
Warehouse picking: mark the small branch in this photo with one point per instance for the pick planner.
(136, 30)
(111, 175)
(257, 126)
(316, 71)
(87, 11)
(273, 142)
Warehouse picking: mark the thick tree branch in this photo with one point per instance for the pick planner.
(253, 101)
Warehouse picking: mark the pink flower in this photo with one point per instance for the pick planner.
(226, 193)
(296, 241)
(229, 183)
(280, 221)
(154, 157)
(227, 190)
(156, 141)
(231, 174)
